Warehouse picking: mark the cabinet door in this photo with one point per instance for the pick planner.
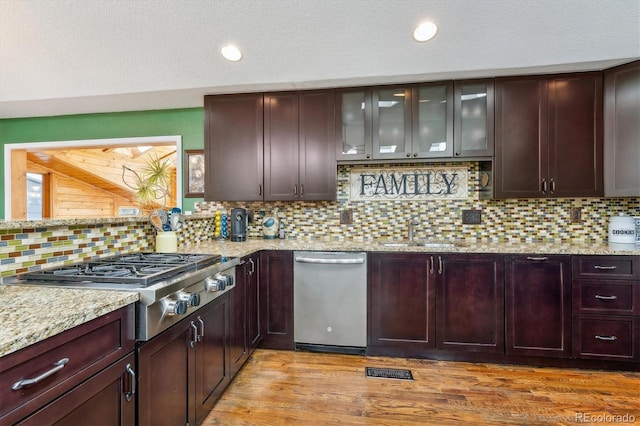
(538, 305)
(432, 121)
(166, 370)
(520, 166)
(253, 302)
(391, 115)
(575, 136)
(276, 299)
(401, 301)
(353, 124)
(622, 131)
(473, 121)
(470, 303)
(105, 399)
(212, 363)
(281, 153)
(233, 147)
(318, 167)
(239, 349)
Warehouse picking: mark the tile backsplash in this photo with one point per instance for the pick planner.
(514, 220)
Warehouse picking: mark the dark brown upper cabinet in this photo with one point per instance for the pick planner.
(622, 131)
(233, 147)
(299, 156)
(473, 120)
(395, 122)
(548, 136)
(276, 146)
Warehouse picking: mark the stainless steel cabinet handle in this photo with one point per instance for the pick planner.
(303, 259)
(193, 342)
(537, 259)
(552, 185)
(432, 266)
(253, 266)
(440, 265)
(59, 365)
(301, 190)
(295, 189)
(604, 268)
(544, 186)
(202, 327)
(259, 189)
(606, 338)
(606, 297)
(132, 375)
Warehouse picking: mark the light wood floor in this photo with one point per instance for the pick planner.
(301, 388)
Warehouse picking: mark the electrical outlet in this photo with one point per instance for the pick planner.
(471, 217)
(576, 214)
(346, 217)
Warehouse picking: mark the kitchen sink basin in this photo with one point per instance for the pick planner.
(427, 244)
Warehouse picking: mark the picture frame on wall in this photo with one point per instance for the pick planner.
(194, 173)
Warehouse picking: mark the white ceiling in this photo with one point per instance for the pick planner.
(62, 57)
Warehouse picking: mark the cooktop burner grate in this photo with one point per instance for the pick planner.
(143, 269)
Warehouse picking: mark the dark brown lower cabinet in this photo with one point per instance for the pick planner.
(181, 376)
(104, 399)
(538, 305)
(245, 315)
(94, 382)
(470, 302)
(401, 303)
(276, 299)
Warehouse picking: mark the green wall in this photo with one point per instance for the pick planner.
(188, 123)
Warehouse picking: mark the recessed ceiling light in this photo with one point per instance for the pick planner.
(425, 31)
(231, 53)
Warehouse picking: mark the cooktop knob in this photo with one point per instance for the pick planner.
(171, 306)
(213, 284)
(192, 299)
(227, 279)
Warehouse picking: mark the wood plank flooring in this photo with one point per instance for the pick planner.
(301, 388)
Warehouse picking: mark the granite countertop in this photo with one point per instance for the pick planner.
(239, 249)
(31, 314)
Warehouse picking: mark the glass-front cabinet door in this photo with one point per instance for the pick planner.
(391, 122)
(433, 120)
(353, 124)
(473, 123)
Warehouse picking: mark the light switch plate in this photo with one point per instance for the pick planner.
(471, 217)
(346, 217)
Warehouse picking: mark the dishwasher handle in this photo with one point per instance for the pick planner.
(333, 261)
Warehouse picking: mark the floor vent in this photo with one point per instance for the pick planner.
(389, 373)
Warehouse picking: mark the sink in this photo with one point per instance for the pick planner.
(427, 244)
(433, 245)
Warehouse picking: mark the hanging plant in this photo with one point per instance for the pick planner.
(151, 185)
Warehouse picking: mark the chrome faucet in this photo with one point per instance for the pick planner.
(410, 224)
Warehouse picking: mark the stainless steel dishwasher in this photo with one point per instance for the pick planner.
(330, 301)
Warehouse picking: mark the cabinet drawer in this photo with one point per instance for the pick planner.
(89, 348)
(604, 296)
(610, 267)
(601, 337)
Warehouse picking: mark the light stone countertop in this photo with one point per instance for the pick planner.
(31, 314)
(240, 249)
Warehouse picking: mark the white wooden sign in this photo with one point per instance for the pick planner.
(424, 183)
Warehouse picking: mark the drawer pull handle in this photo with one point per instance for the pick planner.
(131, 374)
(193, 342)
(537, 259)
(604, 268)
(606, 297)
(431, 271)
(607, 338)
(26, 382)
(199, 338)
